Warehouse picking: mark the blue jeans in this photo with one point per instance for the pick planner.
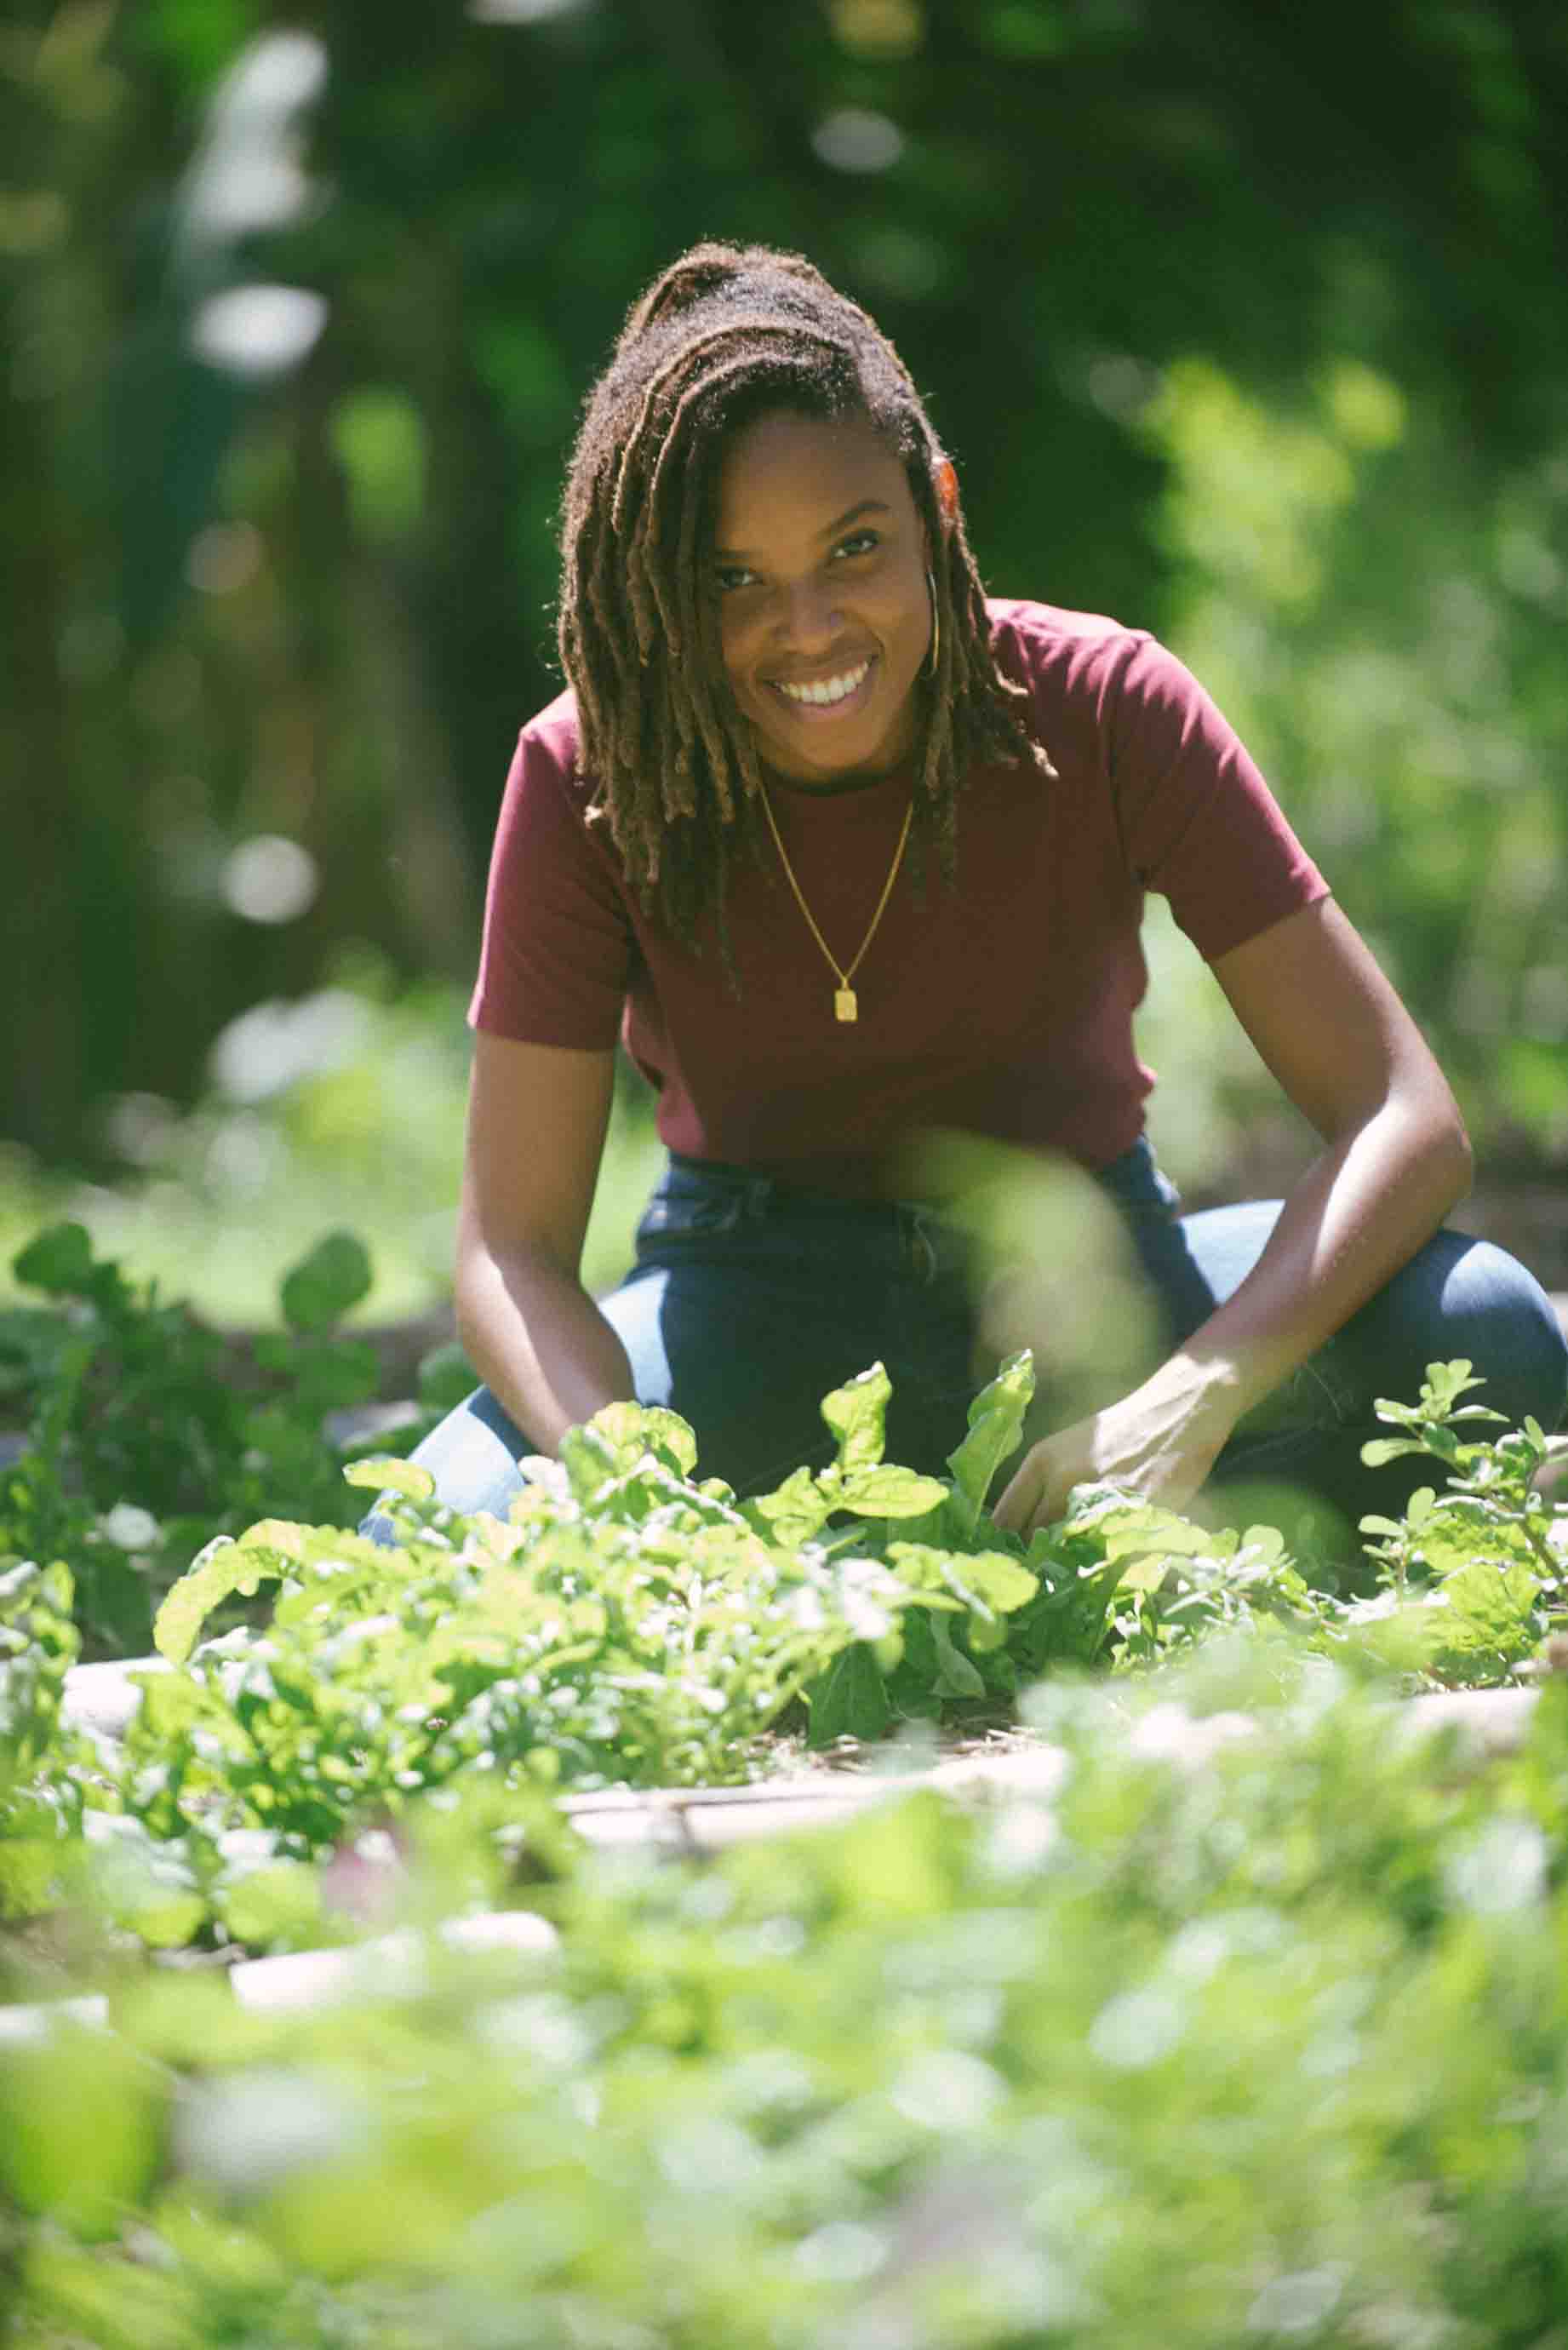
(749, 1301)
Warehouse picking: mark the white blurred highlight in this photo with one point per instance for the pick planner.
(270, 879)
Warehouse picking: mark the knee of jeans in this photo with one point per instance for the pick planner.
(1503, 1320)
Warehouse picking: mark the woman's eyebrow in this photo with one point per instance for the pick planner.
(829, 530)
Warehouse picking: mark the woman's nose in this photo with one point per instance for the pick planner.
(808, 616)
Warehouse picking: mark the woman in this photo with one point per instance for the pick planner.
(858, 858)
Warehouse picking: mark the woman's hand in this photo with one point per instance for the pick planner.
(1160, 1442)
(1395, 1160)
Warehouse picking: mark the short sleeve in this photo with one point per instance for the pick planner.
(1198, 824)
(557, 950)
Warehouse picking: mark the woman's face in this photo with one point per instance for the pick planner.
(824, 617)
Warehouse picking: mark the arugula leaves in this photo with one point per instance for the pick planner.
(635, 1624)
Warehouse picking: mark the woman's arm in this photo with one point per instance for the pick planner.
(537, 1121)
(1394, 1161)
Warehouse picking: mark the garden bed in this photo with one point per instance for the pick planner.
(528, 1933)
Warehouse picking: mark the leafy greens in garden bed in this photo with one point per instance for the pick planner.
(144, 1433)
(635, 1624)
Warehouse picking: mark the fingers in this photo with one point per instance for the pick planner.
(1019, 1510)
(1009, 1510)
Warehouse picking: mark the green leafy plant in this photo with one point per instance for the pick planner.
(635, 1624)
(41, 1795)
(1475, 1578)
(147, 1433)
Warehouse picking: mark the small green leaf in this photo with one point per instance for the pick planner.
(277, 1537)
(385, 1473)
(988, 1578)
(1384, 1449)
(793, 1513)
(224, 1568)
(956, 1677)
(322, 1285)
(633, 1429)
(57, 1258)
(856, 1413)
(169, 1704)
(995, 1424)
(589, 1458)
(850, 1700)
(889, 1492)
(1126, 1527)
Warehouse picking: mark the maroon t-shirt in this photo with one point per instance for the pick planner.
(1000, 1007)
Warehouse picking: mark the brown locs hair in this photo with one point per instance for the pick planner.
(725, 334)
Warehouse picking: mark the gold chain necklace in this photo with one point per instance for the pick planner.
(846, 1004)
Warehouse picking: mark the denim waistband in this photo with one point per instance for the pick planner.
(698, 1197)
(1134, 1180)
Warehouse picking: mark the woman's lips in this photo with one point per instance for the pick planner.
(839, 695)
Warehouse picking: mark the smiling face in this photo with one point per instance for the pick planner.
(825, 617)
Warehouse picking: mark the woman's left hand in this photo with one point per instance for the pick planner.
(1160, 1442)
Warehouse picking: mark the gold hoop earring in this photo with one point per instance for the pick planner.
(936, 653)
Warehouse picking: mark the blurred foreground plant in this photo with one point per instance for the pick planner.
(1263, 2047)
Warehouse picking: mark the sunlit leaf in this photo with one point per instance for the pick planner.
(995, 1424)
(223, 1569)
(886, 1491)
(386, 1473)
(856, 1414)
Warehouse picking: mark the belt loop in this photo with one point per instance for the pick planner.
(919, 1247)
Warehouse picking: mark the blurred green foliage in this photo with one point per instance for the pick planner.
(1243, 325)
(344, 1105)
(1243, 2038)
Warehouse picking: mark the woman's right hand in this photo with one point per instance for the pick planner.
(537, 1121)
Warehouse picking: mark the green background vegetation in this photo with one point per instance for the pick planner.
(1243, 324)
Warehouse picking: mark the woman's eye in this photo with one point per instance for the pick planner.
(730, 575)
(859, 542)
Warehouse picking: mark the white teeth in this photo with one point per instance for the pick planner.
(833, 689)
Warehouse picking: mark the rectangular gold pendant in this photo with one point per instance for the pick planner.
(845, 1006)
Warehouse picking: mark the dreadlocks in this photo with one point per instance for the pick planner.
(726, 335)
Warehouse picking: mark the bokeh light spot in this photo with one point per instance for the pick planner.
(270, 879)
(854, 139)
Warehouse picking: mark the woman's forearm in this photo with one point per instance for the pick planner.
(539, 1343)
(1361, 1209)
